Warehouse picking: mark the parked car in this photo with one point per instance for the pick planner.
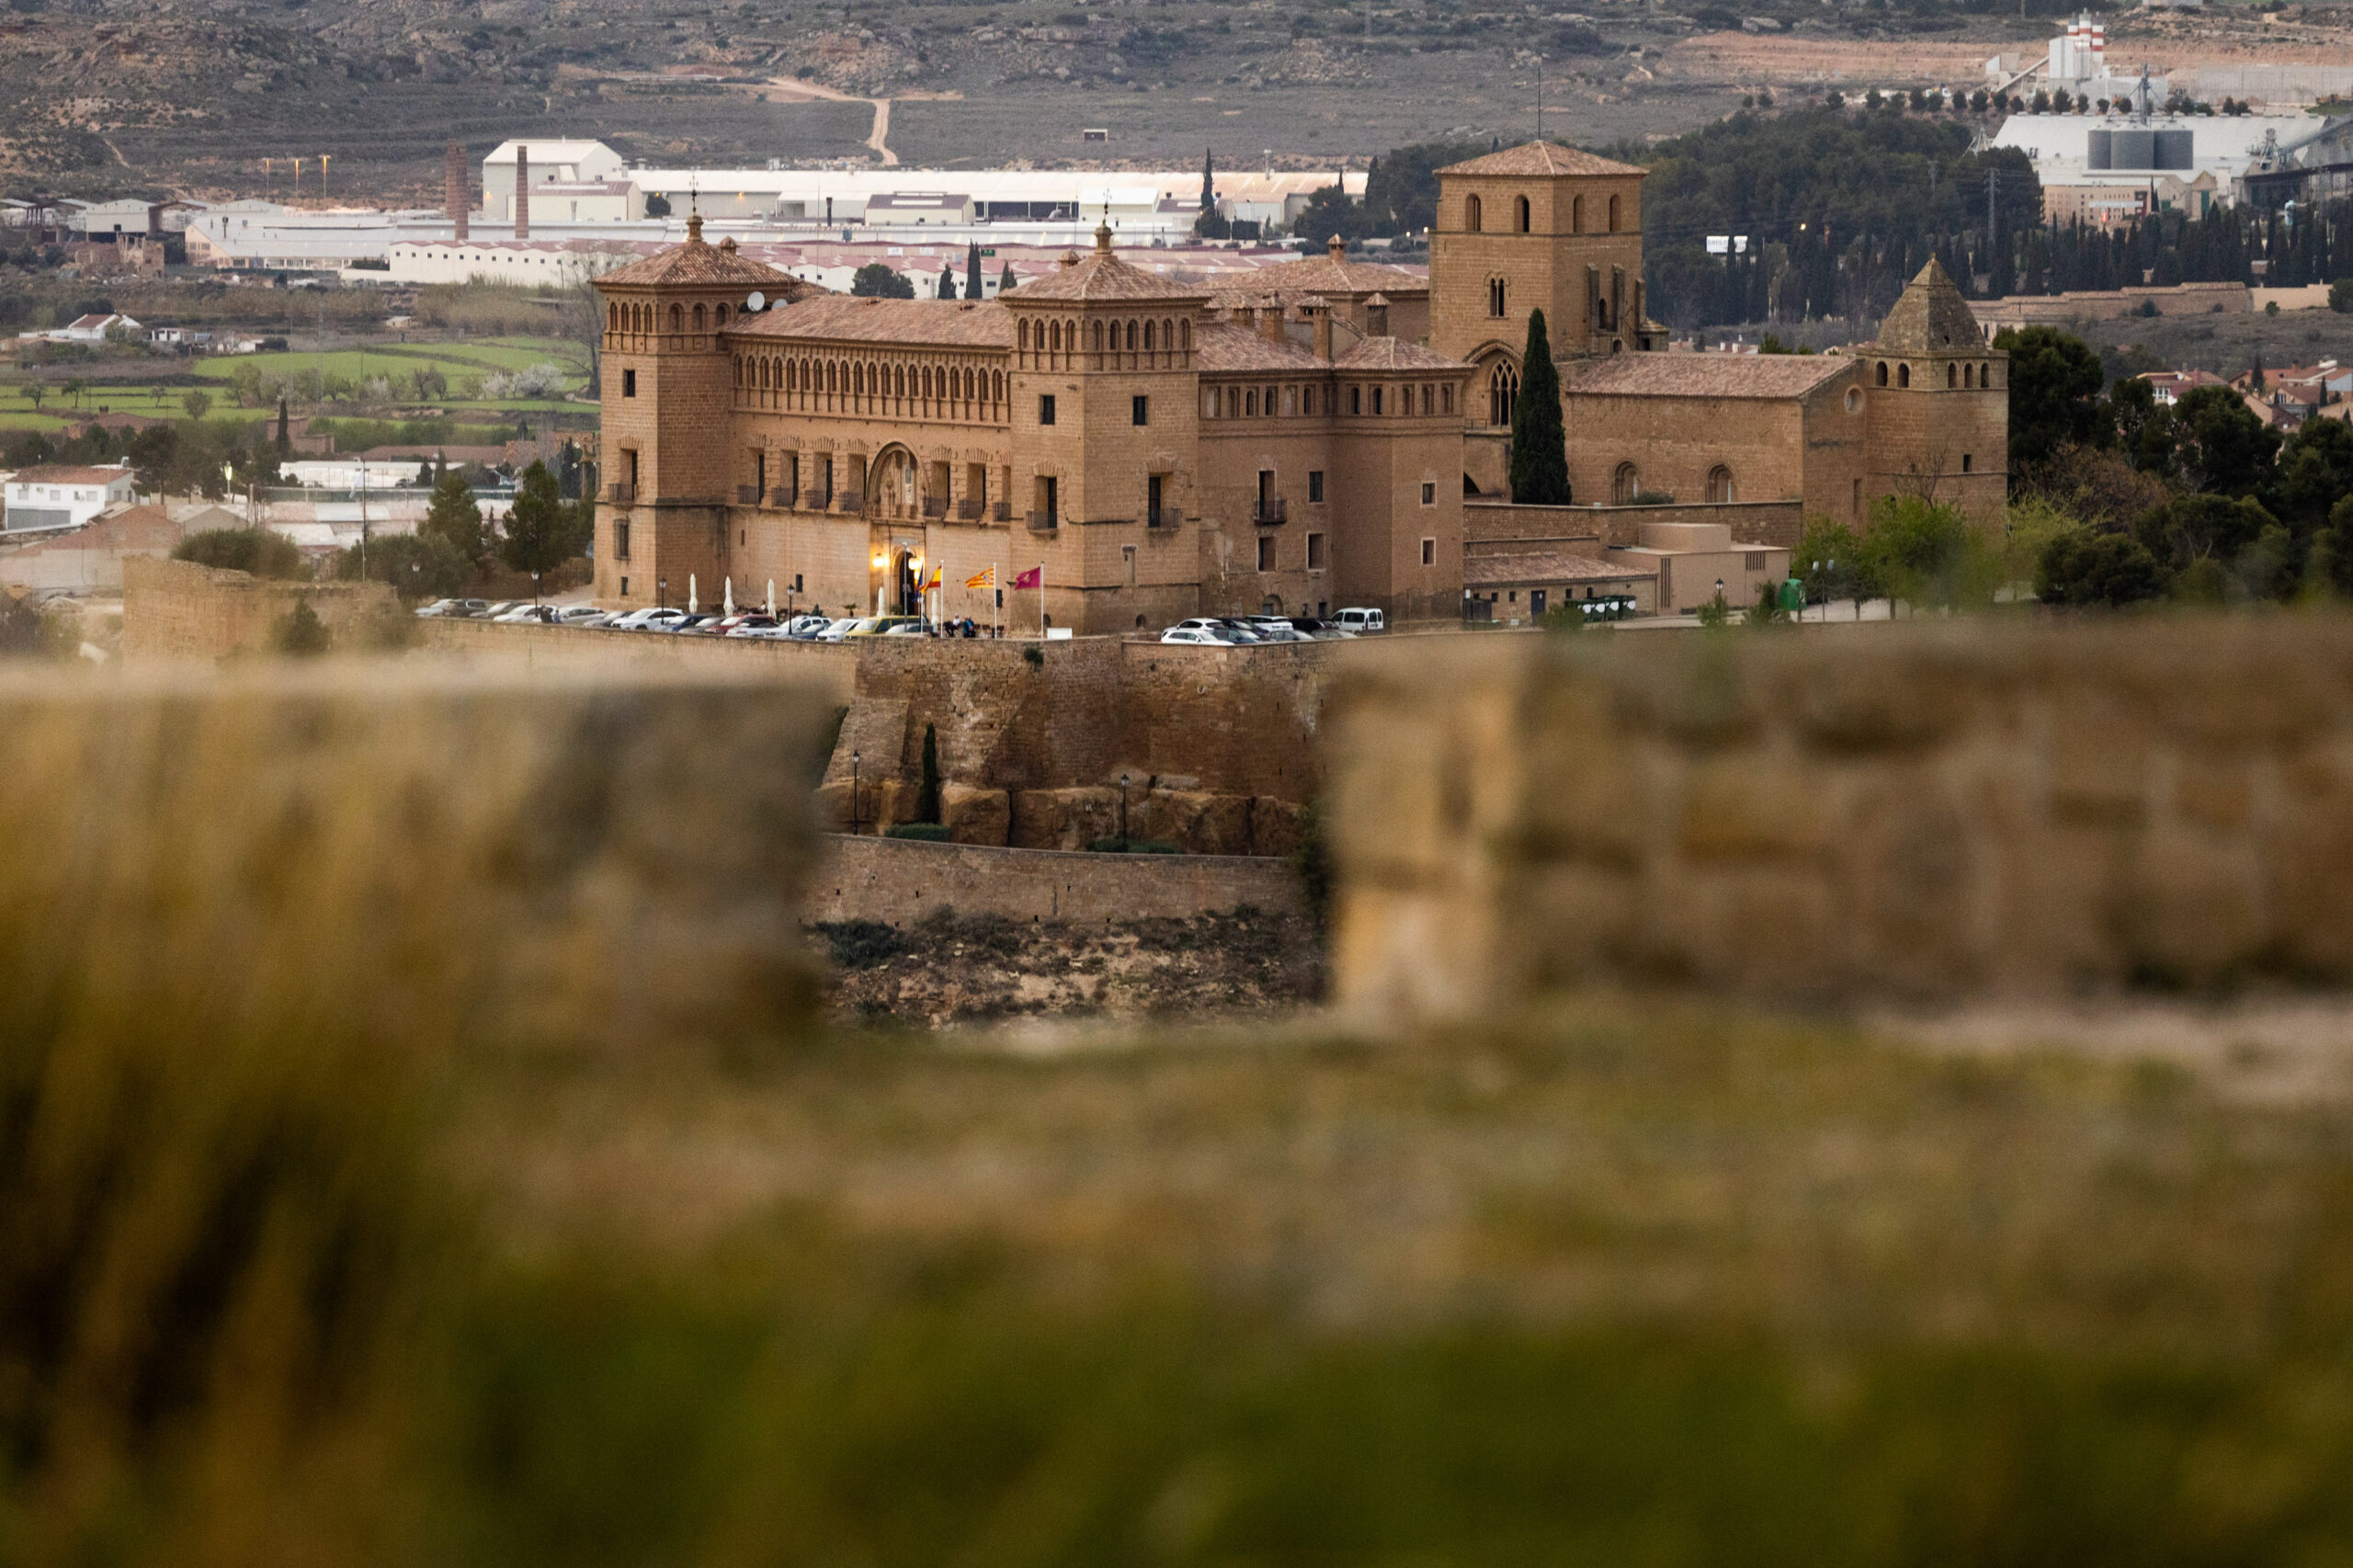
(906, 628)
(748, 625)
(697, 625)
(1192, 634)
(529, 615)
(1318, 630)
(807, 627)
(469, 609)
(1274, 629)
(491, 612)
(878, 625)
(438, 610)
(1220, 628)
(835, 630)
(1362, 621)
(648, 620)
(581, 615)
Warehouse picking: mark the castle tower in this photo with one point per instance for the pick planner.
(1940, 407)
(1103, 395)
(668, 386)
(1534, 227)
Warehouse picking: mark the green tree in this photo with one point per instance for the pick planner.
(1829, 560)
(1540, 455)
(2190, 528)
(418, 566)
(2340, 296)
(2082, 569)
(1005, 284)
(1926, 554)
(876, 281)
(946, 282)
(74, 387)
(2221, 445)
(38, 392)
(303, 633)
(972, 271)
(657, 205)
(285, 445)
(1209, 181)
(2056, 382)
(199, 403)
(254, 550)
(453, 515)
(2316, 468)
(542, 533)
(927, 792)
(1329, 211)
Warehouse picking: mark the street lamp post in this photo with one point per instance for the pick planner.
(853, 794)
(535, 590)
(660, 593)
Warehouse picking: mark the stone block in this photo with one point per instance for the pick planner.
(1195, 821)
(2192, 910)
(1063, 819)
(1275, 826)
(974, 815)
(1741, 805)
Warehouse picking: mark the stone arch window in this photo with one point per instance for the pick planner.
(1503, 392)
(677, 319)
(1131, 337)
(1147, 337)
(1904, 375)
(739, 372)
(1494, 297)
(1520, 215)
(612, 318)
(1984, 375)
(1054, 337)
(1952, 376)
(996, 386)
(1968, 376)
(1720, 485)
(1883, 372)
(721, 316)
(1098, 337)
(1446, 399)
(1471, 215)
(1613, 214)
(1625, 484)
(1025, 337)
(702, 319)
(1576, 214)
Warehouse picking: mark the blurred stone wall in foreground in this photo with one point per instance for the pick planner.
(406, 853)
(1909, 813)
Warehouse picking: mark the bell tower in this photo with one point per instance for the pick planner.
(1938, 422)
(668, 392)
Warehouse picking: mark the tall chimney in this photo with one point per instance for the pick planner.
(1319, 311)
(454, 189)
(522, 190)
(1270, 319)
(1376, 316)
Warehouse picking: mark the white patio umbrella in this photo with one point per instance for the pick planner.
(771, 597)
(692, 607)
(727, 586)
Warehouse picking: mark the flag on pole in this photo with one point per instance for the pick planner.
(932, 581)
(1033, 578)
(982, 579)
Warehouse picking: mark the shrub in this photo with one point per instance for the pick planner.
(302, 633)
(254, 550)
(2084, 570)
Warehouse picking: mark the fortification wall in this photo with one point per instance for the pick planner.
(176, 609)
(1929, 814)
(899, 882)
(831, 668)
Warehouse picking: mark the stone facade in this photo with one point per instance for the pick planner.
(176, 609)
(1153, 450)
(900, 882)
(1920, 812)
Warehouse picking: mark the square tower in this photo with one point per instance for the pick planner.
(1536, 227)
(1938, 420)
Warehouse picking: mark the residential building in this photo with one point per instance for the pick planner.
(59, 497)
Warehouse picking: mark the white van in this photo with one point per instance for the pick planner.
(1362, 621)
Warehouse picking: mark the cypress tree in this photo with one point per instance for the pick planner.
(284, 444)
(1004, 283)
(946, 282)
(972, 271)
(927, 794)
(1540, 453)
(1209, 171)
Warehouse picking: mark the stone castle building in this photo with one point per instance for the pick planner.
(1335, 435)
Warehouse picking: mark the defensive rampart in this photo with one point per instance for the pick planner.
(900, 880)
(1925, 813)
(176, 609)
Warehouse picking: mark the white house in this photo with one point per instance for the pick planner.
(59, 497)
(88, 329)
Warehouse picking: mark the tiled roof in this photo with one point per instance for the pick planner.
(1222, 345)
(838, 318)
(1705, 375)
(696, 263)
(1930, 316)
(1545, 566)
(1334, 273)
(1541, 158)
(1393, 354)
(1102, 276)
(61, 474)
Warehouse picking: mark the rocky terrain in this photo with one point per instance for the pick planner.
(951, 971)
(110, 97)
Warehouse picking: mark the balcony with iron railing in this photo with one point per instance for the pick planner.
(1042, 522)
(935, 506)
(850, 501)
(968, 510)
(620, 493)
(783, 500)
(747, 495)
(1270, 511)
(1001, 512)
